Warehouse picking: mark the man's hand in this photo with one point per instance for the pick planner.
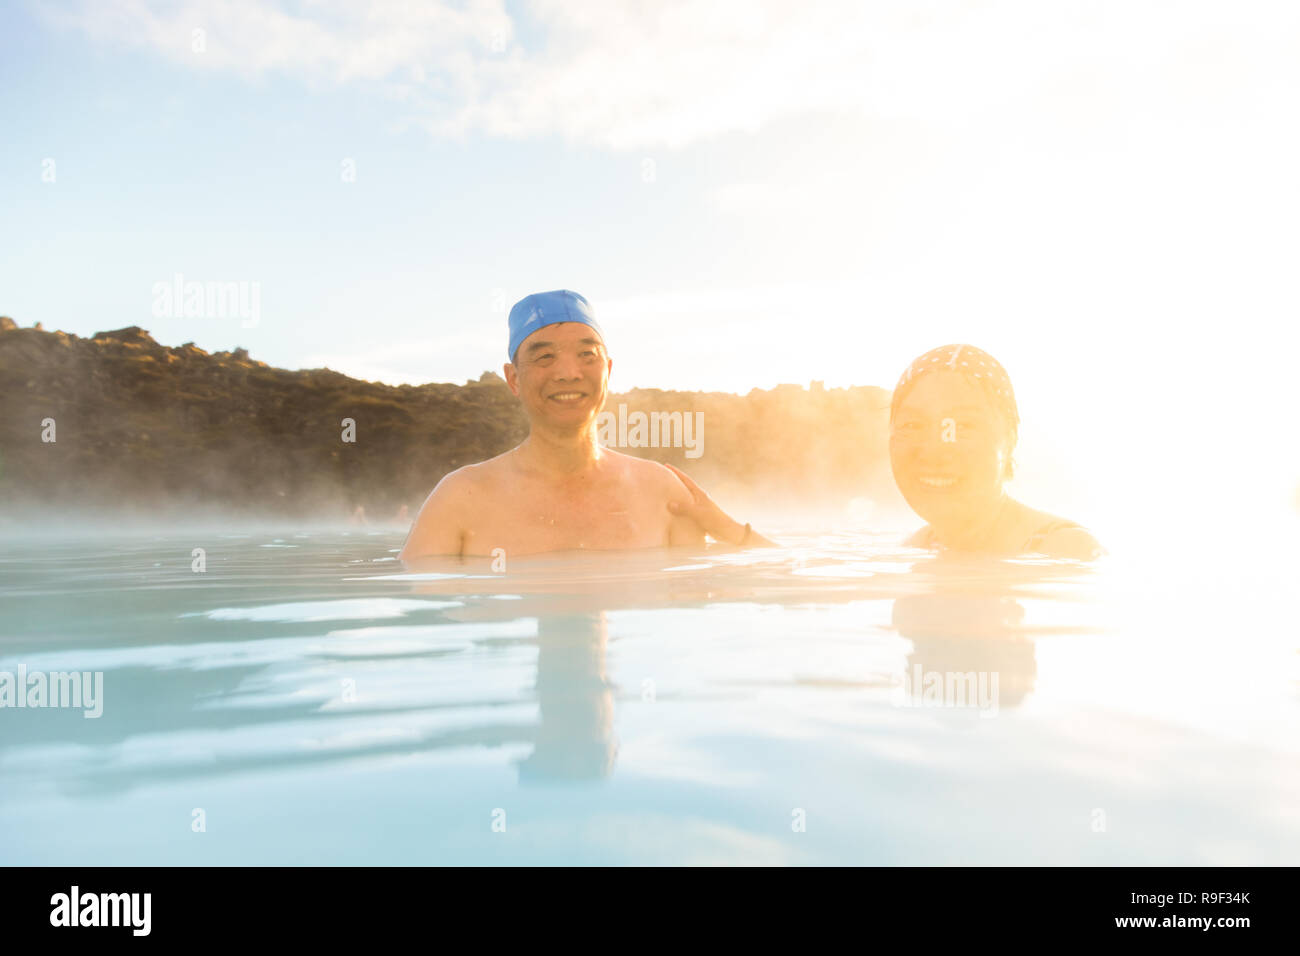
(704, 511)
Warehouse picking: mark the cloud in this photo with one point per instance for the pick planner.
(628, 74)
(321, 40)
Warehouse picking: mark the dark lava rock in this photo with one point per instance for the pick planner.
(151, 428)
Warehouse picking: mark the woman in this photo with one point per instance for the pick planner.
(952, 428)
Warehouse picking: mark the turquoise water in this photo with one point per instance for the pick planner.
(306, 700)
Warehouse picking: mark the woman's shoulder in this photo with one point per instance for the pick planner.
(1062, 538)
(924, 538)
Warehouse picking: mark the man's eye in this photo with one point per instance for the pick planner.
(588, 354)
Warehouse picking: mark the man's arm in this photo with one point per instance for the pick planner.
(438, 528)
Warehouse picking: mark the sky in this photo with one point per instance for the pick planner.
(1101, 194)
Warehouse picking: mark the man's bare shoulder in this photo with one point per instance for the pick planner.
(457, 489)
(452, 508)
(468, 479)
(655, 485)
(651, 476)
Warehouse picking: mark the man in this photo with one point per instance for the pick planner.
(560, 490)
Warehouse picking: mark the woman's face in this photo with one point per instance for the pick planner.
(948, 447)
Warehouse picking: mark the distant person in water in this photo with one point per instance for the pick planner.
(560, 490)
(953, 425)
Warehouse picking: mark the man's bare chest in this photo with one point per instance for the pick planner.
(603, 517)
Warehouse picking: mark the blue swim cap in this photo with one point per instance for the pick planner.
(532, 312)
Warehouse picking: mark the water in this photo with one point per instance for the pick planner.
(306, 701)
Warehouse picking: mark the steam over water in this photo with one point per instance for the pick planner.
(305, 699)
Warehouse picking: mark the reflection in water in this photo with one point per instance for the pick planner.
(575, 739)
(964, 617)
(226, 691)
(968, 634)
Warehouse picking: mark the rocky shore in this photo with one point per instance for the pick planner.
(119, 422)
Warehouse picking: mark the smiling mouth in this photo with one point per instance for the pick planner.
(937, 482)
(568, 398)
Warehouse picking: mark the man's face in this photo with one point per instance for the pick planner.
(561, 374)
